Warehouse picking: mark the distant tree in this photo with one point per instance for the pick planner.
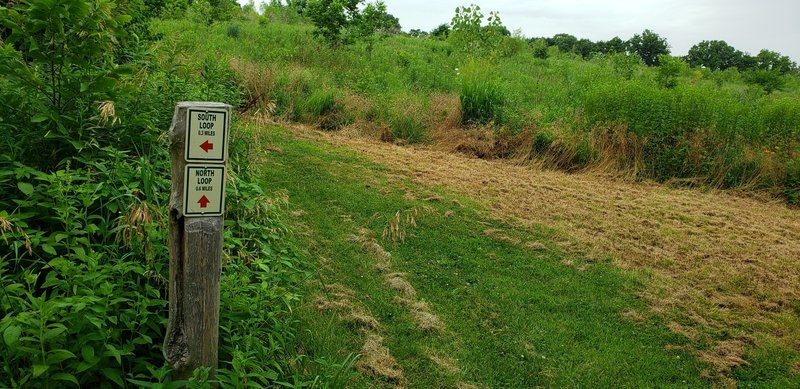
(774, 61)
(331, 17)
(564, 42)
(615, 45)
(498, 29)
(716, 55)
(341, 21)
(224, 9)
(442, 31)
(584, 48)
(417, 33)
(649, 46)
(770, 80)
(249, 10)
(371, 20)
(746, 62)
(298, 5)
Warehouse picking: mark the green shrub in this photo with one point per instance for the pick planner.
(791, 181)
(769, 80)
(540, 47)
(82, 217)
(542, 142)
(669, 69)
(49, 106)
(233, 31)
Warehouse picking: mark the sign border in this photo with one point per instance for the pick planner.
(189, 135)
(186, 212)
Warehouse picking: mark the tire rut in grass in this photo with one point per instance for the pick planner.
(406, 296)
(376, 359)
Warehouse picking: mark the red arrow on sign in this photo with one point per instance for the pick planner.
(204, 201)
(207, 146)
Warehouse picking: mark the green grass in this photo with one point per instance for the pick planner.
(710, 126)
(515, 317)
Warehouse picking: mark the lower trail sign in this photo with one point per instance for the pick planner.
(197, 205)
(205, 191)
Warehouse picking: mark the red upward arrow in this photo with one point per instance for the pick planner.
(207, 146)
(204, 201)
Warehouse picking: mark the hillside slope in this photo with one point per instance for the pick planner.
(719, 270)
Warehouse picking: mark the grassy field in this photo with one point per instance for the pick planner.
(498, 281)
(706, 277)
(712, 129)
(463, 299)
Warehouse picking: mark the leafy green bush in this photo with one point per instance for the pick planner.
(54, 77)
(83, 264)
(540, 49)
(770, 80)
(669, 69)
(233, 31)
(791, 182)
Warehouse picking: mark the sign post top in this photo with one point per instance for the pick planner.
(203, 104)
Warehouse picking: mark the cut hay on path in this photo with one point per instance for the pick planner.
(377, 362)
(726, 263)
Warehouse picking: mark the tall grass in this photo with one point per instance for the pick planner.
(482, 95)
(707, 128)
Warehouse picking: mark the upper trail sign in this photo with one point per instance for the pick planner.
(206, 135)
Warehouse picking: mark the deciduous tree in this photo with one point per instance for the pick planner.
(649, 46)
(716, 55)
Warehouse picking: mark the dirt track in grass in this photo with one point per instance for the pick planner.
(724, 270)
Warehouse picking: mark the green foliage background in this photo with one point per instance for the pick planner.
(87, 90)
(87, 97)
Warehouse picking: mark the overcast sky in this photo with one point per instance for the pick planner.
(748, 25)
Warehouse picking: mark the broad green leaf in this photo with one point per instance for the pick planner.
(65, 377)
(58, 356)
(87, 352)
(39, 118)
(39, 370)
(25, 188)
(113, 375)
(112, 351)
(49, 249)
(11, 335)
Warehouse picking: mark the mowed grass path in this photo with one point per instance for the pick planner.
(517, 311)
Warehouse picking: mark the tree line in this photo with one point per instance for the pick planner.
(711, 54)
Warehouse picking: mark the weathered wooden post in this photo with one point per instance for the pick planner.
(198, 147)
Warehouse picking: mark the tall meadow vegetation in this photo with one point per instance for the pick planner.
(549, 100)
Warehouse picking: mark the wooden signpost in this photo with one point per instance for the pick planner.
(198, 148)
